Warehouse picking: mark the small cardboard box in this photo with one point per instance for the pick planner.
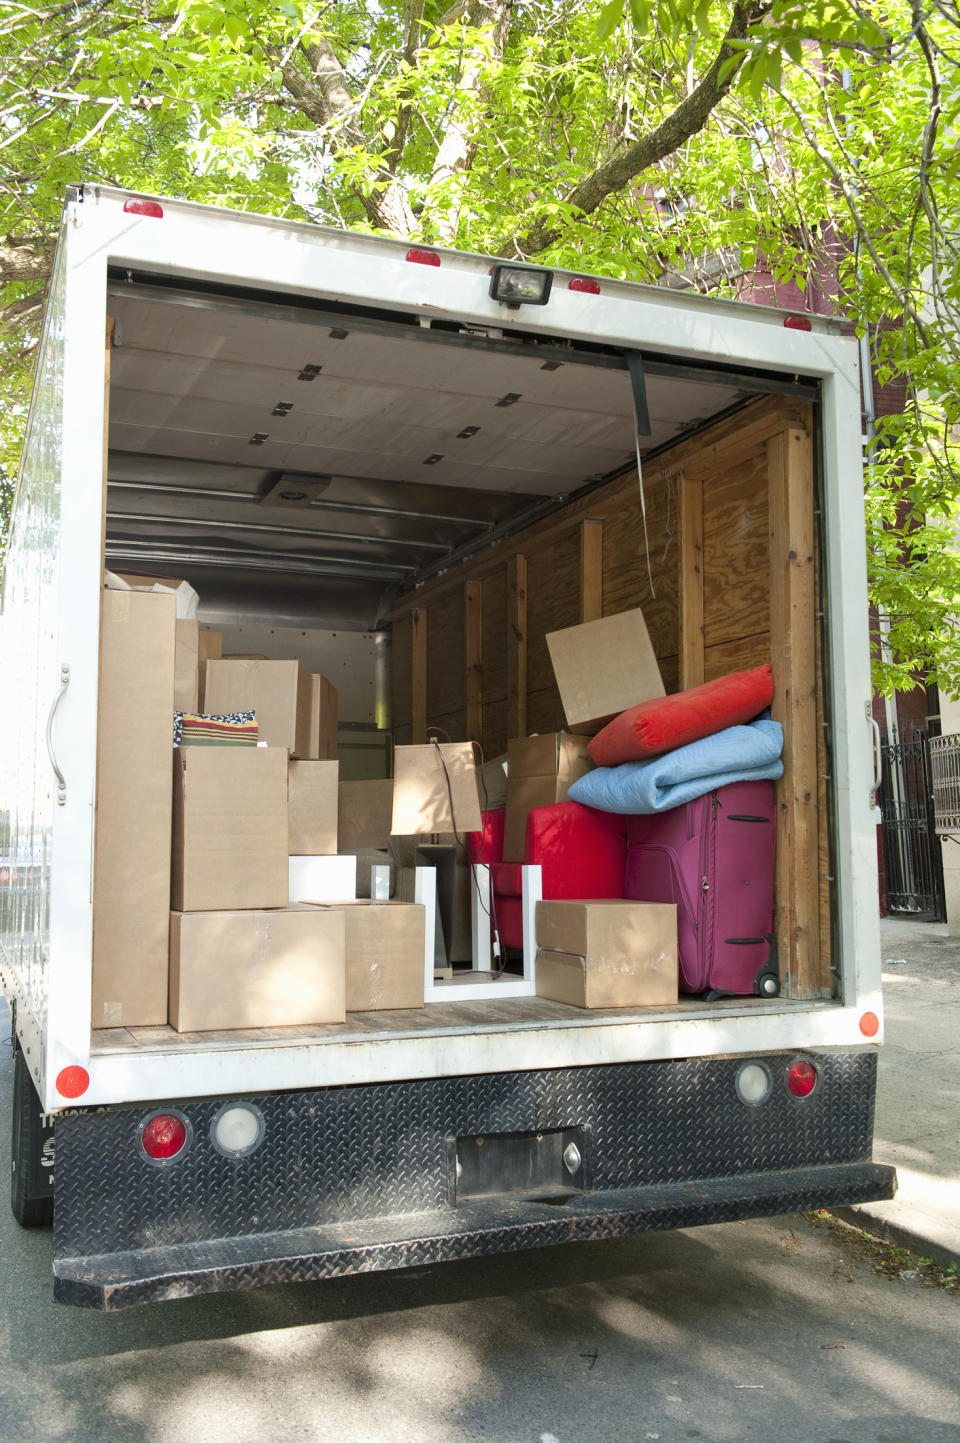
(131, 900)
(607, 954)
(540, 771)
(424, 780)
(384, 948)
(604, 666)
(230, 847)
(324, 717)
(280, 692)
(232, 969)
(313, 808)
(186, 681)
(363, 815)
(209, 648)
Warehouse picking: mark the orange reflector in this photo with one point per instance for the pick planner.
(869, 1024)
(423, 258)
(73, 1081)
(798, 323)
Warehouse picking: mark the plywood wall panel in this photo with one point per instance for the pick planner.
(446, 649)
(401, 705)
(494, 637)
(545, 711)
(736, 586)
(553, 601)
(739, 655)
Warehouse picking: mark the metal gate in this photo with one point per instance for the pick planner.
(911, 846)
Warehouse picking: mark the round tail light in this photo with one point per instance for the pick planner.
(802, 1079)
(163, 1136)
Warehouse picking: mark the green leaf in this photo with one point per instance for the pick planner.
(610, 17)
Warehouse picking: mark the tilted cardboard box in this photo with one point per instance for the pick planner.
(604, 666)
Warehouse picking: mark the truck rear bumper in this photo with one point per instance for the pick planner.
(475, 1229)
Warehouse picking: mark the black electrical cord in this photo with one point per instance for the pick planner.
(490, 911)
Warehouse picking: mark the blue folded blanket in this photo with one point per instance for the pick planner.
(736, 754)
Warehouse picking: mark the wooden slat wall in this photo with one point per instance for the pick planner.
(716, 504)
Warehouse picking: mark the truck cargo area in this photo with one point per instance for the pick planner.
(409, 504)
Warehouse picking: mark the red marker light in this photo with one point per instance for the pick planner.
(869, 1024)
(802, 1079)
(423, 258)
(582, 283)
(144, 207)
(163, 1136)
(798, 323)
(73, 1081)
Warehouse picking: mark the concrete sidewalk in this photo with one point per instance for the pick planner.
(918, 1094)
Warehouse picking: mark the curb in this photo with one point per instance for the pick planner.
(901, 1236)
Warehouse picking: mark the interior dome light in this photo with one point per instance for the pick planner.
(802, 1079)
(163, 1136)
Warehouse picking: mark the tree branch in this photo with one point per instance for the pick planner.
(26, 259)
(689, 117)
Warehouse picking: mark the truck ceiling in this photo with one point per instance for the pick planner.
(332, 460)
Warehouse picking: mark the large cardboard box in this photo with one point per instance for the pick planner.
(540, 771)
(324, 717)
(280, 692)
(186, 679)
(209, 648)
(384, 949)
(425, 778)
(363, 815)
(313, 791)
(230, 847)
(607, 954)
(131, 902)
(232, 969)
(604, 666)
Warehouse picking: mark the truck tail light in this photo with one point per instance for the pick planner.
(585, 284)
(137, 206)
(798, 323)
(754, 1083)
(802, 1079)
(4, 876)
(423, 258)
(237, 1129)
(163, 1136)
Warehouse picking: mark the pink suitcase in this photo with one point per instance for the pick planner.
(714, 857)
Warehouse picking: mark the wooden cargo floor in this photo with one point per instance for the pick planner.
(514, 1013)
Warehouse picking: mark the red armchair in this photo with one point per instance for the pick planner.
(581, 852)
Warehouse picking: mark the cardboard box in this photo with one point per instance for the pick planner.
(313, 792)
(364, 813)
(209, 648)
(131, 902)
(186, 678)
(187, 599)
(232, 969)
(230, 847)
(604, 666)
(424, 779)
(607, 954)
(324, 717)
(384, 948)
(280, 692)
(540, 771)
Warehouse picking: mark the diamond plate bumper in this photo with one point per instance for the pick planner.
(359, 1179)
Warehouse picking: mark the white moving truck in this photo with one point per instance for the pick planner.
(355, 451)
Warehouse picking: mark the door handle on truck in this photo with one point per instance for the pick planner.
(61, 783)
(877, 757)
